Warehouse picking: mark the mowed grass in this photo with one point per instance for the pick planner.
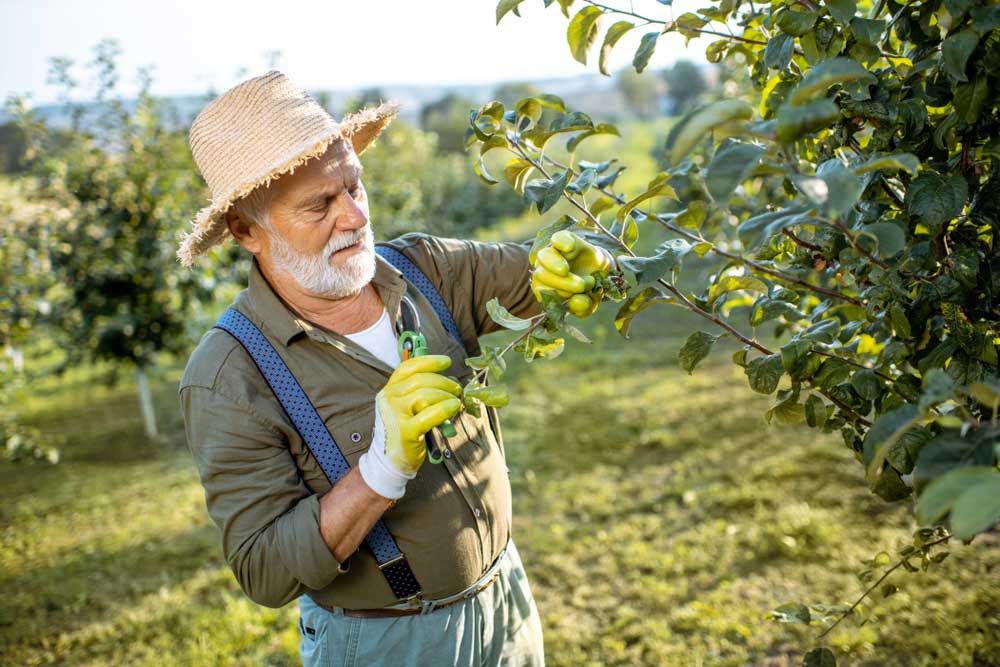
(659, 518)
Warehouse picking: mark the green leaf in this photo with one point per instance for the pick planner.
(799, 361)
(788, 411)
(778, 52)
(798, 120)
(583, 182)
(582, 31)
(505, 6)
(728, 284)
(970, 99)
(754, 231)
(955, 52)
(648, 270)
(658, 187)
(481, 172)
(815, 411)
(645, 51)
(819, 657)
(795, 22)
(948, 450)
(636, 304)
(502, 316)
(884, 432)
(978, 509)
(842, 10)
(553, 102)
(890, 236)
(906, 161)
(766, 309)
(695, 348)
(831, 372)
(693, 215)
(764, 372)
(867, 384)
(495, 396)
(867, 31)
(793, 612)
(600, 128)
(553, 192)
(529, 108)
(936, 199)
(938, 497)
(615, 33)
(731, 165)
(827, 73)
(689, 25)
(516, 171)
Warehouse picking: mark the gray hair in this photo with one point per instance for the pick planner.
(255, 207)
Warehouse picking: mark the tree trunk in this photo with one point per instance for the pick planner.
(16, 355)
(145, 401)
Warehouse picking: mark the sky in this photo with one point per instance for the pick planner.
(197, 45)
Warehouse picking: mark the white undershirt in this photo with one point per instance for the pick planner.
(381, 476)
(380, 340)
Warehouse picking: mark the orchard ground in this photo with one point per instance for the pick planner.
(658, 516)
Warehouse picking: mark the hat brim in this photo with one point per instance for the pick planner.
(209, 227)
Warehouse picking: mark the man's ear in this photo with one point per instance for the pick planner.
(246, 234)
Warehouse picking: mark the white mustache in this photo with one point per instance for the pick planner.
(335, 244)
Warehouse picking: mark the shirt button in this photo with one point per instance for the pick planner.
(355, 437)
(476, 512)
(447, 453)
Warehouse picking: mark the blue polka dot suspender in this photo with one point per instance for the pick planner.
(313, 431)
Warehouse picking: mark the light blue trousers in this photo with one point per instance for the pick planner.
(500, 626)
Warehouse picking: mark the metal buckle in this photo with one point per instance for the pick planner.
(391, 561)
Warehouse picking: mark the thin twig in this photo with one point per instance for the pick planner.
(924, 548)
(853, 240)
(805, 244)
(666, 23)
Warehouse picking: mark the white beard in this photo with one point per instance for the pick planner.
(315, 274)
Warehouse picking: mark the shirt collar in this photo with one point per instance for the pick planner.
(285, 324)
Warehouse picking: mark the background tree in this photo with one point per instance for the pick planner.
(119, 190)
(413, 186)
(685, 84)
(366, 97)
(642, 93)
(448, 118)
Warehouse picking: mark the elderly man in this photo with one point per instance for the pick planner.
(309, 431)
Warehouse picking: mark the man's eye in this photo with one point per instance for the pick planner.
(356, 192)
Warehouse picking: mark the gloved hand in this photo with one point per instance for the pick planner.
(414, 400)
(564, 267)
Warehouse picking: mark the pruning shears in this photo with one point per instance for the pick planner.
(413, 344)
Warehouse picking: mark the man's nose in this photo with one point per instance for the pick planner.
(352, 216)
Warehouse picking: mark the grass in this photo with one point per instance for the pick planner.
(658, 516)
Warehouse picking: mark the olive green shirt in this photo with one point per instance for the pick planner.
(262, 485)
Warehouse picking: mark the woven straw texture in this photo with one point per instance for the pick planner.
(257, 131)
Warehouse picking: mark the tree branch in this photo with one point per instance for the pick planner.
(924, 549)
(669, 24)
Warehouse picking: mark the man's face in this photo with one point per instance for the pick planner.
(322, 235)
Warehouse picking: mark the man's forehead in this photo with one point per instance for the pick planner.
(338, 163)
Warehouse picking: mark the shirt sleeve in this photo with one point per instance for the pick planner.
(470, 273)
(268, 518)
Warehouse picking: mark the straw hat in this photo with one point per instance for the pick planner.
(257, 131)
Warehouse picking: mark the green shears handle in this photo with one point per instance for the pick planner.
(413, 344)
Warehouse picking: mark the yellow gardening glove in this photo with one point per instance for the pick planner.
(414, 400)
(564, 267)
